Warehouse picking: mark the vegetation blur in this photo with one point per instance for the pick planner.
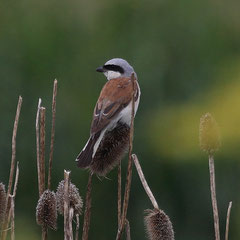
(187, 57)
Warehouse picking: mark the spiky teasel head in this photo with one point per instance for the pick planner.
(158, 225)
(46, 211)
(2, 202)
(209, 134)
(74, 198)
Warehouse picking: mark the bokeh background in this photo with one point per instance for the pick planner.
(187, 57)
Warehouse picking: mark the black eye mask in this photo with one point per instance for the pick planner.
(114, 68)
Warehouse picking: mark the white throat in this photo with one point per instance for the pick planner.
(112, 74)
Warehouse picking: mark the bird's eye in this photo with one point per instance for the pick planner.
(115, 68)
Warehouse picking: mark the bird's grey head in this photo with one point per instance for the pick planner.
(116, 67)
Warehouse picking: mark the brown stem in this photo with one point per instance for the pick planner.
(129, 169)
(119, 193)
(13, 204)
(42, 160)
(40, 146)
(127, 229)
(67, 230)
(77, 227)
(52, 132)
(16, 181)
(42, 149)
(12, 217)
(13, 160)
(11, 213)
(87, 212)
(144, 182)
(37, 146)
(213, 196)
(227, 221)
(44, 233)
(71, 214)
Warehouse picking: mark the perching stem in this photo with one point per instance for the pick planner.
(129, 168)
(144, 182)
(87, 212)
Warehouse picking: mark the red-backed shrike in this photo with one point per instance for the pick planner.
(110, 128)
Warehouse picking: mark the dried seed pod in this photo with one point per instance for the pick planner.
(74, 198)
(46, 211)
(158, 225)
(2, 202)
(209, 134)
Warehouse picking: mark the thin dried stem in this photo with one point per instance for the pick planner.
(11, 213)
(42, 149)
(14, 146)
(129, 168)
(37, 146)
(227, 221)
(13, 160)
(52, 132)
(144, 182)
(16, 181)
(41, 167)
(127, 229)
(67, 233)
(71, 214)
(44, 233)
(77, 227)
(13, 203)
(87, 212)
(12, 217)
(119, 193)
(213, 196)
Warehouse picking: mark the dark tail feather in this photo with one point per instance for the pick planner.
(84, 158)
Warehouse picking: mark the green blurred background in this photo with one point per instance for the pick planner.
(187, 57)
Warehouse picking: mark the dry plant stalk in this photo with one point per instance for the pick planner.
(214, 197)
(12, 210)
(87, 212)
(67, 230)
(42, 160)
(11, 215)
(38, 146)
(3, 203)
(52, 132)
(13, 204)
(227, 221)
(144, 182)
(13, 160)
(77, 226)
(42, 148)
(129, 168)
(127, 230)
(209, 139)
(158, 224)
(119, 193)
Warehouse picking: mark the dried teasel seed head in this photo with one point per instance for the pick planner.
(3, 203)
(158, 225)
(46, 211)
(209, 134)
(74, 198)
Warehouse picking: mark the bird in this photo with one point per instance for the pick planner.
(110, 127)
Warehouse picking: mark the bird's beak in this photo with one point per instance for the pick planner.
(100, 69)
